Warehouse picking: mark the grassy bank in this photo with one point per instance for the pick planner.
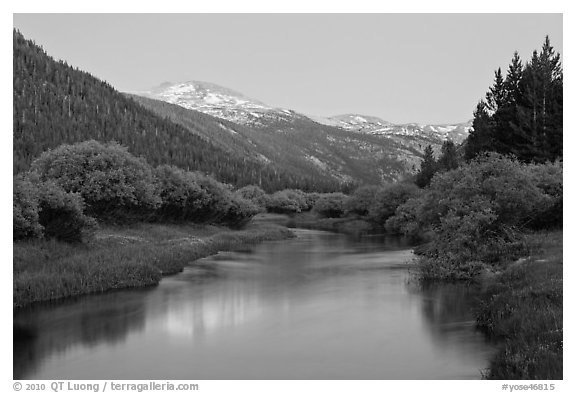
(523, 310)
(122, 257)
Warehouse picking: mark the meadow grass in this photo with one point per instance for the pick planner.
(522, 310)
(122, 257)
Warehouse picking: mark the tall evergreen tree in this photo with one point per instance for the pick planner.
(448, 157)
(427, 168)
(480, 138)
(496, 96)
(513, 77)
(539, 120)
(523, 113)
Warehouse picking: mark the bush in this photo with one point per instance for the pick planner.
(288, 202)
(62, 214)
(310, 199)
(25, 203)
(466, 244)
(504, 182)
(44, 209)
(254, 194)
(409, 218)
(548, 178)
(192, 196)
(111, 180)
(239, 212)
(331, 205)
(474, 215)
(183, 199)
(216, 205)
(387, 200)
(361, 200)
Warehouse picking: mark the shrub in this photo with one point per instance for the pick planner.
(300, 197)
(387, 200)
(503, 181)
(254, 194)
(62, 214)
(182, 197)
(44, 209)
(548, 178)
(310, 199)
(474, 214)
(25, 203)
(287, 202)
(216, 205)
(408, 218)
(331, 205)
(110, 179)
(361, 200)
(240, 211)
(466, 244)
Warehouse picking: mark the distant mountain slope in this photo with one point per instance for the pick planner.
(373, 125)
(55, 104)
(217, 101)
(359, 147)
(300, 145)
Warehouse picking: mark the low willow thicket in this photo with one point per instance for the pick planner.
(70, 188)
(475, 217)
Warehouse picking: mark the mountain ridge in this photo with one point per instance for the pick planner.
(232, 105)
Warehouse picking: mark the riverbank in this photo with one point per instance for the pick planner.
(123, 257)
(347, 225)
(522, 308)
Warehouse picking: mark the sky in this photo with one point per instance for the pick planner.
(422, 68)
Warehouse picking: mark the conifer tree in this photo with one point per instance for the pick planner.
(480, 138)
(496, 96)
(513, 77)
(427, 168)
(523, 113)
(448, 157)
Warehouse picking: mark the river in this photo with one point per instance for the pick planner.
(320, 306)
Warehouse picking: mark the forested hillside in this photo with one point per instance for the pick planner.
(55, 103)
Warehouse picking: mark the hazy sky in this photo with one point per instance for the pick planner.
(428, 68)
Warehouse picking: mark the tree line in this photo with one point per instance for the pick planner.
(520, 116)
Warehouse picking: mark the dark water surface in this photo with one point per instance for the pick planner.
(321, 306)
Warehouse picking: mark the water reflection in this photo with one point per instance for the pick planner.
(89, 321)
(321, 306)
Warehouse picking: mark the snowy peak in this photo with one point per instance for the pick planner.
(376, 126)
(204, 93)
(360, 119)
(215, 100)
(231, 105)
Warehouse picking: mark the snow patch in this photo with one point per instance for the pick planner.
(227, 128)
(317, 162)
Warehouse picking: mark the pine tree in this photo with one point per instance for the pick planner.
(480, 138)
(513, 77)
(448, 157)
(522, 114)
(540, 119)
(496, 96)
(428, 168)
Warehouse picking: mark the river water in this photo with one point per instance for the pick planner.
(320, 306)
